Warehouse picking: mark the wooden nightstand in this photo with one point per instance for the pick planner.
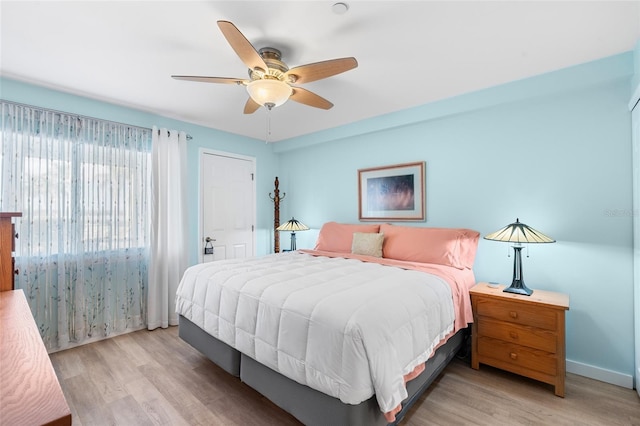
(521, 334)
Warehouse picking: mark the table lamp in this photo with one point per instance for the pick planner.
(518, 233)
(292, 225)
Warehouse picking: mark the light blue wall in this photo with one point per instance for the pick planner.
(636, 65)
(266, 160)
(553, 150)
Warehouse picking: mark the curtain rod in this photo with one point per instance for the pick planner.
(189, 137)
(82, 116)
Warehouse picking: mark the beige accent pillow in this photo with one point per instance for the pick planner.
(368, 244)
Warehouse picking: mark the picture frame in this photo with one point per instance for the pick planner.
(394, 192)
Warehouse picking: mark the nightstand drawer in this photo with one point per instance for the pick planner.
(532, 337)
(519, 313)
(516, 355)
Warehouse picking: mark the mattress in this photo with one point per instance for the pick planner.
(345, 327)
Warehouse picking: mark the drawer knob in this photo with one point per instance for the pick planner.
(513, 314)
(513, 334)
(513, 355)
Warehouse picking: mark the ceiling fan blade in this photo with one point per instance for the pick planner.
(251, 106)
(306, 97)
(221, 80)
(243, 48)
(319, 70)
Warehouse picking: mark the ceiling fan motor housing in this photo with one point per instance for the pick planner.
(276, 68)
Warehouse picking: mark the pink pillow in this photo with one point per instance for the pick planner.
(444, 246)
(337, 237)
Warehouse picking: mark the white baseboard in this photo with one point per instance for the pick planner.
(601, 374)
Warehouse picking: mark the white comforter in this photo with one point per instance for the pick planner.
(341, 326)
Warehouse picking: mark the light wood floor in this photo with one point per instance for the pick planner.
(154, 378)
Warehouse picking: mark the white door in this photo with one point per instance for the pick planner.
(635, 139)
(227, 200)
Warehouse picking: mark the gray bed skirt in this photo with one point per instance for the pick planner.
(308, 405)
(219, 352)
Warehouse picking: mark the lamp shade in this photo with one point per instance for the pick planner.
(269, 92)
(292, 225)
(519, 233)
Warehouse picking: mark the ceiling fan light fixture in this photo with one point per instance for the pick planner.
(269, 91)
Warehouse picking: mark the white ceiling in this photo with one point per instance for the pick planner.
(409, 53)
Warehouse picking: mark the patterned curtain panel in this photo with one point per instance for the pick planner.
(83, 187)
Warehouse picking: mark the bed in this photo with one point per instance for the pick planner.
(350, 333)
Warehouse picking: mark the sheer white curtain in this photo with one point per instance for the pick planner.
(169, 235)
(82, 186)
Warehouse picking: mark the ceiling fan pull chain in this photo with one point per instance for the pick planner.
(268, 124)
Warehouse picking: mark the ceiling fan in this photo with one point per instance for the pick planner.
(271, 82)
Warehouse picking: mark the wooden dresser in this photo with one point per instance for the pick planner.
(7, 245)
(521, 334)
(30, 393)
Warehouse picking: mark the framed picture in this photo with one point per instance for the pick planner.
(392, 192)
